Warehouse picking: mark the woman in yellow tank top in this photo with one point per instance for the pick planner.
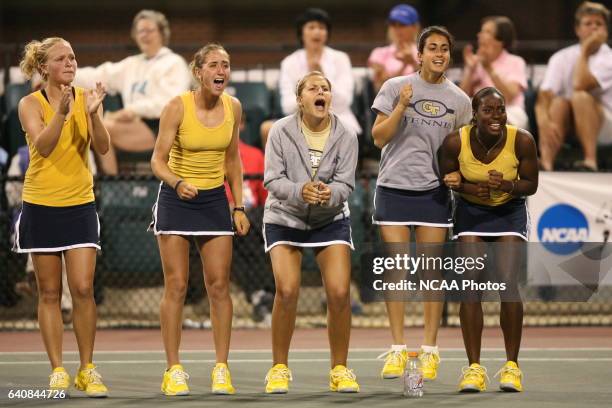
(196, 148)
(58, 216)
(493, 167)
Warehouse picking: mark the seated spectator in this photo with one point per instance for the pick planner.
(146, 82)
(578, 85)
(313, 30)
(400, 56)
(494, 66)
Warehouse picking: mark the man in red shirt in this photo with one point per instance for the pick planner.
(254, 194)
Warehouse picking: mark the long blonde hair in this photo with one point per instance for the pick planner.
(35, 54)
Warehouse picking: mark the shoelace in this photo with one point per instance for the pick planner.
(430, 358)
(344, 374)
(395, 356)
(220, 375)
(510, 370)
(279, 374)
(179, 377)
(92, 376)
(470, 372)
(55, 378)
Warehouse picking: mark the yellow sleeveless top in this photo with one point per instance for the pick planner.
(474, 171)
(198, 153)
(64, 178)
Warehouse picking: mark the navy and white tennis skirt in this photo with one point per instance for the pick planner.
(337, 232)
(510, 218)
(431, 208)
(207, 213)
(42, 228)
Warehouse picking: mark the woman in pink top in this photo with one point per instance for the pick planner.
(399, 57)
(492, 65)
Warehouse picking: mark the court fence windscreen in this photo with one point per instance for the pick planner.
(561, 283)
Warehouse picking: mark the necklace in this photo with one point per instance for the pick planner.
(494, 145)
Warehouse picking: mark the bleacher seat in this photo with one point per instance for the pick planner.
(255, 100)
(367, 149)
(13, 134)
(125, 213)
(276, 109)
(112, 103)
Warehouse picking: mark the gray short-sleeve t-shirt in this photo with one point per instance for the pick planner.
(409, 161)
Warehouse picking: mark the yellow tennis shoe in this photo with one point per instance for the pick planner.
(341, 379)
(473, 379)
(510, 377)
(175, 381)
(59, 380)
(277, 379)
(429, 365)
(89, 380)
(221, 380)
(395, 363)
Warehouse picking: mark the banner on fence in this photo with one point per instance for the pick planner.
(571, 216)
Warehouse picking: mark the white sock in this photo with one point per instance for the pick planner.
(398, 347)
(430, 349)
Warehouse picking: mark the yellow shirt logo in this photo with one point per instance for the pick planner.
(430, 108)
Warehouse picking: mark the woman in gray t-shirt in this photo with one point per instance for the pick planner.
(414, 114)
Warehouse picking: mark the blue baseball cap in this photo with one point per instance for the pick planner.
(404, 14)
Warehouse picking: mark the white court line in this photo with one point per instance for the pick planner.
(300, 360)
(314, 350)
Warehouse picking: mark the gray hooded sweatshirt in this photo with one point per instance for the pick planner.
(288, 168)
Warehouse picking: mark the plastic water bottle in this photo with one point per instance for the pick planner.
(413, 376)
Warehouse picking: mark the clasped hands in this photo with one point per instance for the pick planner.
(316, 193)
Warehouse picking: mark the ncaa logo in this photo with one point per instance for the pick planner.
(562, 229)
(430, 109)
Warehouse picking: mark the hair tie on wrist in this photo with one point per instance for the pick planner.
(178, 183)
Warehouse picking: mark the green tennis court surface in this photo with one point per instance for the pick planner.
(552, 378)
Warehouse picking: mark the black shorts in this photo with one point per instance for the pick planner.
(152, 124)
(431, 208)
(42, 228)
(206, 214)
(510, 218)
(337, 232)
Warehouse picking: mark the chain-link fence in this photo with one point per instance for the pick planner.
(129, 279)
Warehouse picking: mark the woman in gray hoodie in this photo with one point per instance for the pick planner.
(311, 158)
